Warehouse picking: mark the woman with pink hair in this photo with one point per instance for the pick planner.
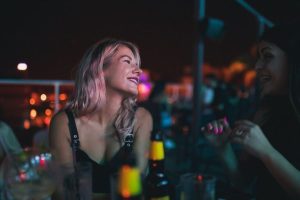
(101, 125)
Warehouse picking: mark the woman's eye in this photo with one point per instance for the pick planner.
(127, 61)
(267, 56)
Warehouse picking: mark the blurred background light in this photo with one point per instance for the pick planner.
(22, 66)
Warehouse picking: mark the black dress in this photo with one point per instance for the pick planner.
(283, 131)
(100, 172)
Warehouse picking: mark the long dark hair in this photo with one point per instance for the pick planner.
(287, 37)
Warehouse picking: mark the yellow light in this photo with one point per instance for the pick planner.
(22, 66)
(62, 97)
(33, 113)
(48, 112)
(43, 97)
(26, 124)
(32, 101)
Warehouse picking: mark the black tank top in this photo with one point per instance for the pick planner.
(100, 172)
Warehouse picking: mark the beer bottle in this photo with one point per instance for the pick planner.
(157, 185)
(129, 182)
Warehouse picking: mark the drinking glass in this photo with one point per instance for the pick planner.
(29, 175)
(197, 186)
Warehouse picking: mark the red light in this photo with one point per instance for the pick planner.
(22, 176)
(125, 194)
(200, 178)
(42, 161)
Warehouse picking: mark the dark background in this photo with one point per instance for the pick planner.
(51, 36)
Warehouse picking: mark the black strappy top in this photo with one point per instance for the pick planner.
(100, 172)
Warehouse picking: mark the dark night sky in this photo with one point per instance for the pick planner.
(51, 36)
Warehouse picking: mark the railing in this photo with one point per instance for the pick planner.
(55, 83)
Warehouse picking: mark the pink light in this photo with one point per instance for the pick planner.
(199, 178)
(22, 176)
(42, 161)
(143, 88)
(144, 77)
(144, 91)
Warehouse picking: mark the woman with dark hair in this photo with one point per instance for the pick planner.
(272, 138)
(101, 124)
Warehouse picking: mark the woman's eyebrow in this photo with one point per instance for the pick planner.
(122, 56)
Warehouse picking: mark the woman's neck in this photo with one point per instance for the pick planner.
(270, 105)
(107, 114)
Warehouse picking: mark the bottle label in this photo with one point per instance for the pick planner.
(157, 150)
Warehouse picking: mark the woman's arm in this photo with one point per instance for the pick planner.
(59, 139)
(252, 138)
(143, 128)
(283, 171)
(60, 148)
(218, 134)
(230, 162)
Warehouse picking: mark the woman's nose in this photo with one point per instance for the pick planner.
(137, 70)
(258, 65)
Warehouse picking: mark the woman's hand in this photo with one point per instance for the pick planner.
(217, 132)
(251, 137)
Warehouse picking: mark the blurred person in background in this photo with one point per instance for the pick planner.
(107, 125)
(9, 145)
(270, 143)
(41, 138)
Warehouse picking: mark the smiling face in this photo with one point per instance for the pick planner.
(122, 73)
(272, 69)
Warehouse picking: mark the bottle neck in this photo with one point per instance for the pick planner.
(157, 156)
(156, 166)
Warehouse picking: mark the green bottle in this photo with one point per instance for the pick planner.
(157, 185)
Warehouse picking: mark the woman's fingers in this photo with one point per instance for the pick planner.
(208, 128)
(239, 131)
(238, 140)
(216, 127)
(225, 124)
(244, 123)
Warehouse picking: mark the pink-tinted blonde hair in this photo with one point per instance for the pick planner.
(90, 89)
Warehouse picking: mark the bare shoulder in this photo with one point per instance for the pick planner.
(59, 123)
(60, 139)
(60, 116)
(143, 119)
(143, 114)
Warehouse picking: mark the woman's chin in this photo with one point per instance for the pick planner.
(132, 94)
